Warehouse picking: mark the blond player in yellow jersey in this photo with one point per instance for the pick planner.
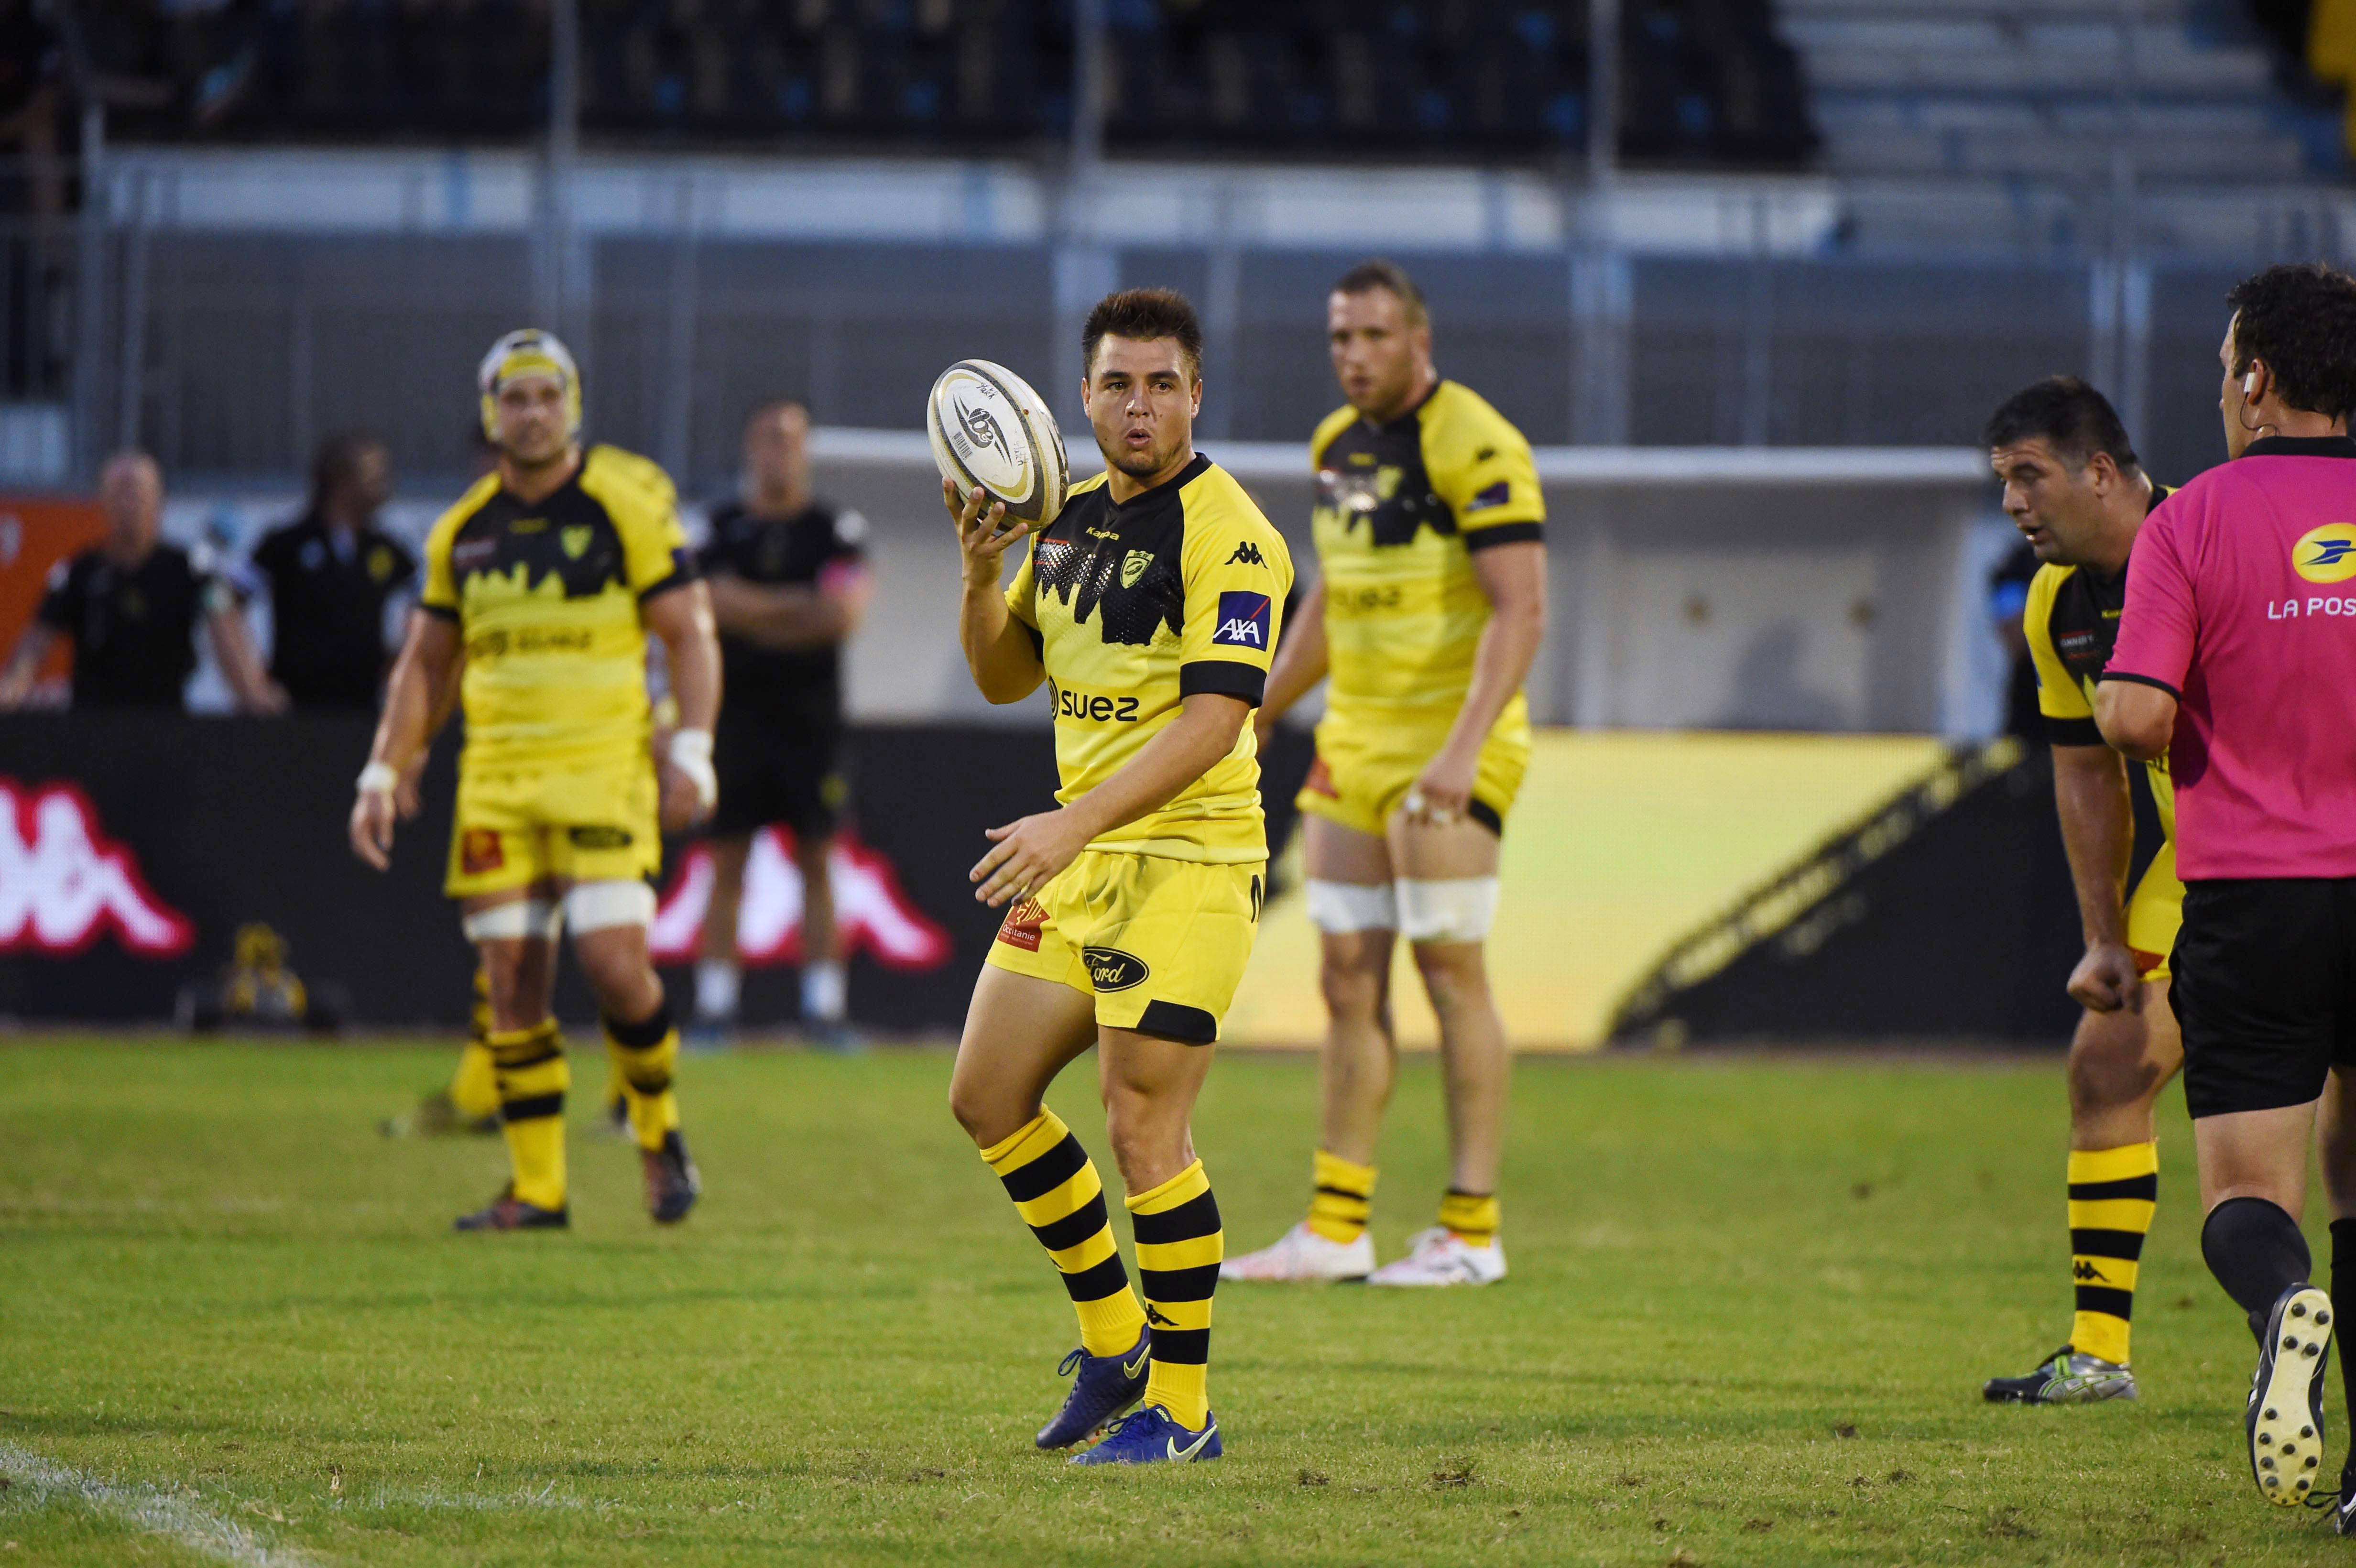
(1430, 605)
(546, 578)
(1148, 608)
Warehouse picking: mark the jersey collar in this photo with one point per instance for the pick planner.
(1407, 416)
(2301, 446)
(1184, 476)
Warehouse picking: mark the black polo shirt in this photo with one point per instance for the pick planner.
(797, 552)
(327, 593)
(134, 630)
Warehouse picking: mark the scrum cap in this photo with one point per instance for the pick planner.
(529, 352)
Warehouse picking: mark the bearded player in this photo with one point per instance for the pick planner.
(1433, 595)
(1149, 608)
(546, 577)
(2074, 487)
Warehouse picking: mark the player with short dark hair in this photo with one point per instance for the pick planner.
(787, 572)
(2236, 657)
(1149, 607)
(331, 573)
(542, 584)
(2075, 489)
(1431, 551)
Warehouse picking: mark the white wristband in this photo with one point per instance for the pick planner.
(377, 778)
(690, 753)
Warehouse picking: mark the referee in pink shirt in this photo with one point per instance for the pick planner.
(2236, 658)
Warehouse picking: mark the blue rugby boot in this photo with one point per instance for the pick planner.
(1154, 1436)
(1106, 1386)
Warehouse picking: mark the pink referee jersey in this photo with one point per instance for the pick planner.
(2241, 603)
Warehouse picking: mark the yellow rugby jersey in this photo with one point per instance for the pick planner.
(1400, 509)
(546, 597)
(1139, 605)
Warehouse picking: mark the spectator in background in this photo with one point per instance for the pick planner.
(331, 574)
(130, 608)
(790, 584)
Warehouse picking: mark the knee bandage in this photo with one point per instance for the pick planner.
(525, 917)
(1340, 908)
(1458, 911)
(595, 906)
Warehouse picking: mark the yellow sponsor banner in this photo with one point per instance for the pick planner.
(1619, 845)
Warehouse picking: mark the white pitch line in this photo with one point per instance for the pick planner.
(197, 1528)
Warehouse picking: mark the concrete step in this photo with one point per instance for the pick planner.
(1995, 56)
(2000, 138)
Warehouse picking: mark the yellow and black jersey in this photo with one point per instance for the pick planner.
(1400, 509)
(2071, 622)
(1136, 606)
(546, 597)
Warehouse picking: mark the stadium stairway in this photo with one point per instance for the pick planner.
(2029, 90)
(1943, 913)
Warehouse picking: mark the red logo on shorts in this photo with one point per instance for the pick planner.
(1022, 925)
(1321, 780)
(480, 851)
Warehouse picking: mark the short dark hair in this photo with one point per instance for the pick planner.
(1143, 315)
(2301, 320)
(337, 458)
(2069, 416)
(776, 403)
(1377, 274)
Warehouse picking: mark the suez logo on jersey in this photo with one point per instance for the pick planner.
(1243, 621)
(1094, 706)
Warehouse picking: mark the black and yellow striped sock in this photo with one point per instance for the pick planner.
(1056, 1190)
(644, 1055)
(2112, 1194)
(533, 1077)
(1342, 1198)
(1179, 1246)
(1472, 1216)
(475, 1087)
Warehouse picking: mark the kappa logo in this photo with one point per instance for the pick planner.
(1243, 621)
(1153, 1314)
(1246, 554)
(64, 884)
(873, 912)
(2085, 1271)
(2326, 554)
(1111, 969)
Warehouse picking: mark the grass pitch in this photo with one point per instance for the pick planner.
(1751, 1304)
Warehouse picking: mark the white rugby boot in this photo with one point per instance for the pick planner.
(1301, 1254)
(1441, 1256)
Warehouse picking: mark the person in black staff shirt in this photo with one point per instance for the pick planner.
(130, 608)
(788, 585)
(330, 574)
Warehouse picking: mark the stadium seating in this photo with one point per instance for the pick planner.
(1999, 90)
(1707, 82)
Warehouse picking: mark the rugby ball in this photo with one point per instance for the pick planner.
(990, 429)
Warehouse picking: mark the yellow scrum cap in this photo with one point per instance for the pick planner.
(529, 351)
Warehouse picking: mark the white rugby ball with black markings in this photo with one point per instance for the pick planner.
(988, 428)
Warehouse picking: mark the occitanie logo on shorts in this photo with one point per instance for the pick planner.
(2326, 554)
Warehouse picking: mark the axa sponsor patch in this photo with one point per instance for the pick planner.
(1243, 621)
(1496, 495)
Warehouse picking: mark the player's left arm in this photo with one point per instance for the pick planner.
(680, 616)
(2135, 702)
(1236, 573)
(233, 649)
(1513, 576)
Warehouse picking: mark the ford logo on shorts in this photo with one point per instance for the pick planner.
(1111, 969)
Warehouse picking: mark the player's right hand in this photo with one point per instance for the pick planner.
(984, 532)
(2106, 979)
(372, 826)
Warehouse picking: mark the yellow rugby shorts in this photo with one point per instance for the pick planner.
(1365, 768)
(516, 826)
(1159, 944)
(2154, 909)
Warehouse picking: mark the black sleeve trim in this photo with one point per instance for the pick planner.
(676, 579)
(2144, 680)
(2072, 731)
(440, 612)
(1505, 533)
(1222, 678)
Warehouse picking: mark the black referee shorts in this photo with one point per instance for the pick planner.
(779, 764)
(2265, 990)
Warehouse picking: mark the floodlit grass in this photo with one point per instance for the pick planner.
(1751, 1304)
